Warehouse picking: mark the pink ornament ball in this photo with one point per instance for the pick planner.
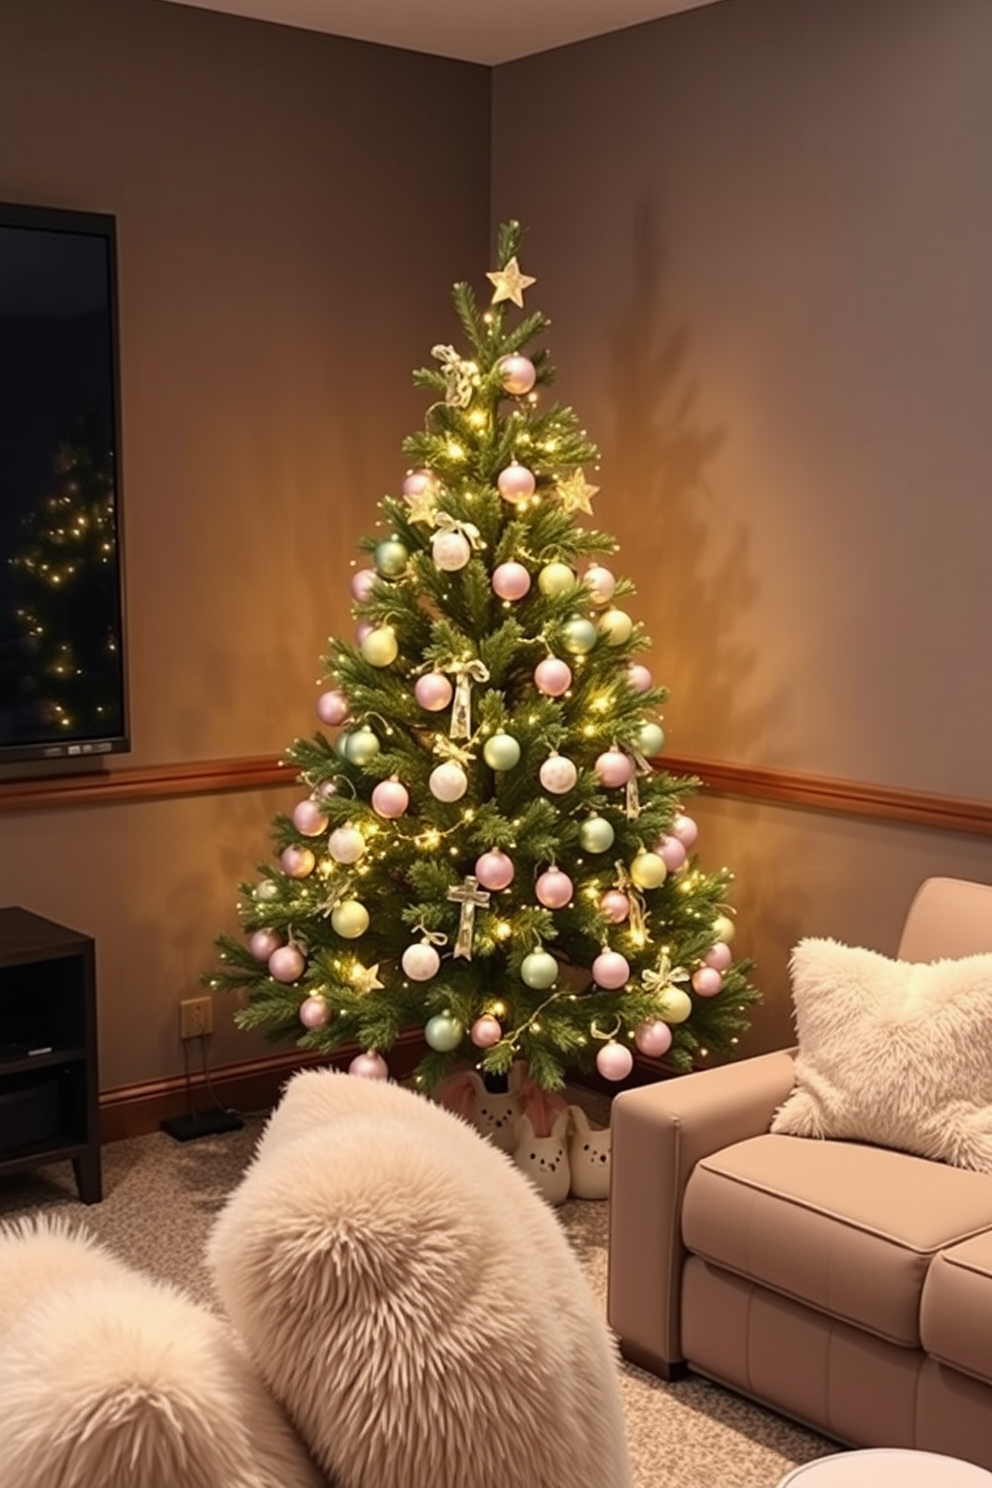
(558, 774)
(518, 374)
(263, 943)
(297, 862)
(654, 1039)
(615, 906)
(554, 889)
(332, 708)
(672, 853)
(610, 970)
(361, 583)
(515, 483)
(327, 790)
(362, 629)
(314, 1012)
(639, 677)
(553, 677)
(416, 483)
(707, 981)
(308, 818)
(614, 1061)
(719, 956)
(600, 583)
(286, 964)
(390, 799)
(613, 767)
(433, 691)
(420, 962)
(485, 1032)
(370, 1066)
(510, 580)
(494, 869)
(685, 829)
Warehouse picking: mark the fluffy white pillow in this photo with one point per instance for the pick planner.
(413, 1302)
(896, 1053)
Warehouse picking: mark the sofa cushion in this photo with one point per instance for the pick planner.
(892, 1052)
(845, 1228)
(957, 1302)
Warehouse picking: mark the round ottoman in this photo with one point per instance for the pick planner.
(887, 1467)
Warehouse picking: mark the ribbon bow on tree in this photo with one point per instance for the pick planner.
(664, 976)
(464, 673)
(641, 767)
(460, 376)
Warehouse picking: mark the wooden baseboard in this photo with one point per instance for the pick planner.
(137, 1110)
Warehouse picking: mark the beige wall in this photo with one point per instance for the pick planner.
(762, 230)
(292, 210)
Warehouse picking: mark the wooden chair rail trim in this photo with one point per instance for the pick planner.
(754, 782)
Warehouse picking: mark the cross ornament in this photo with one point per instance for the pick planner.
(468, 895)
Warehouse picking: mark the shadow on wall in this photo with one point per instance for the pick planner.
(697, 581)
(697, 586)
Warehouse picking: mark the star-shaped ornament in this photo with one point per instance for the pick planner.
(422, 506)
(365, 979)
(510, 284)
(576, 493)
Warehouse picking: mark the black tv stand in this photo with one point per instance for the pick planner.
(48, 1049)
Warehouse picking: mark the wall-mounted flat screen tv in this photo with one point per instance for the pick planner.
(63, 679)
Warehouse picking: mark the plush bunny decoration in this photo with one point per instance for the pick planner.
(545, 1159)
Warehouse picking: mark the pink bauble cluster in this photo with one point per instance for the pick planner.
(671, 852)
(614, 1061)
(554, 889)
(685, 829)
(390, 798)
(510, 581)
(515, 483)
(332, 708)
(553, 677)
(370, 1066)
(494, 869)
(433, 691)
(706, 981)
(518, 374)
(308, 818)
(613, 767)
(361, 583)
(719, 956)
(610, 970)
(263, 943)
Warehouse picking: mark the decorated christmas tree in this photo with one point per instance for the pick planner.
(485, 846)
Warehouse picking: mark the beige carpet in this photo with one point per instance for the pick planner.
(161, 1197)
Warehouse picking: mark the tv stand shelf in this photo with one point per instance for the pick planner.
(48, 1049)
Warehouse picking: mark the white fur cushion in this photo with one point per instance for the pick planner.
(893, 1052)
(413, 1302)
(108, 1378)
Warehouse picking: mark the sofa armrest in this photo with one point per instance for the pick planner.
(659, 1133)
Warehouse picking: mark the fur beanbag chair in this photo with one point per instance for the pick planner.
(111, 1380)
(413, 1302)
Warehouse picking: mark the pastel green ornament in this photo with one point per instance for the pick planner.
(391, 557)
(444, 1033)
(349, 919)
(539, 970)
(651, 739)
(616, 627)
(555, 578)
(266, 891)
(380, 646)
(361, 745)
(674, 1005)
(501, 752)
(596, 834)
(579, 635)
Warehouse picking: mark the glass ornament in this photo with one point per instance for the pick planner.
(420, 962)
(724, 929)
(539, 970)
(600, 583)
(444, 1033)
(390, 798)
(616, 627)
(369, 1066)
(308, 818)
(315, 1012)
(614, 1061)
(671, 852)
(555, 578)
(558, 774)
(648, 870)
(451, 551)
(596, 834)
(613, 767)
(515, 483)
(552, 676)
(651, 739)
(501, 752)
(494, 869)
(433, 691)
(448, 781)
(554, 889)
(579, 635)
(685, 829)
(517, 374)
(349, 919)
(297, 862)
(346, 844)
(286, 964)
(361, 745)
(674, 1005)
(639, 677)
(332, 707)
(510, 581)
(610, 970)
(615, 906)
(654, 1038)
(266, 891)
(380, 647)
(361, 583)
(719, 956)
(706, 981)
(263, 943)
(391, 557)
(485, 1032)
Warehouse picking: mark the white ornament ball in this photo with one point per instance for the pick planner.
(346, 844)
(448, 782)
(451, 551)
(516, 482)
(600, 583)
(420, 962)
(558, 774)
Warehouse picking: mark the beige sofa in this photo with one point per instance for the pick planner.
(844, 1285)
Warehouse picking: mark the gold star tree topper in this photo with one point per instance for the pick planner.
(510, 283)
(576, 493)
